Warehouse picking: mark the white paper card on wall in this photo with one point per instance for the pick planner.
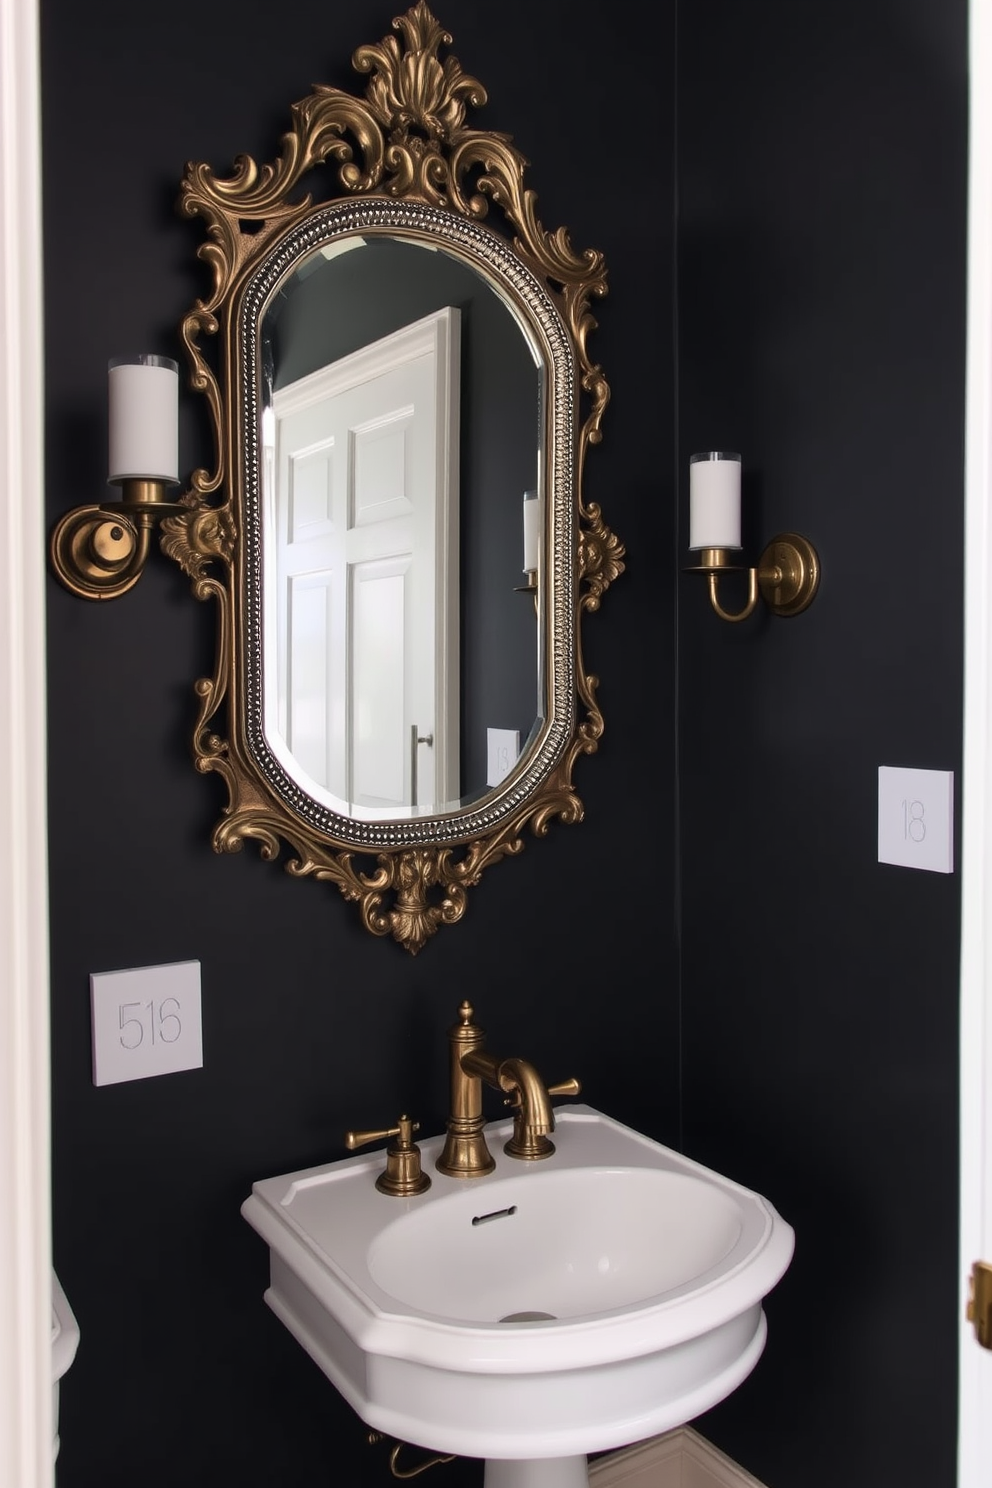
(503, 747)
(916, 818)
(146, 1021)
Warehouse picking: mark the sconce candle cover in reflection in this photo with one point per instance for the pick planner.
(144, 418)
(531, 531)
(715, 500)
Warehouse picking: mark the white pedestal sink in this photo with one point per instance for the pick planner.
(545, 1311)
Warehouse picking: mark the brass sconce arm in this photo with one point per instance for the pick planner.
(100, 551)
(786, 577)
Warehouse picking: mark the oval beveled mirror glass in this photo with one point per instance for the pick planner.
(395, 532)
(401, 429)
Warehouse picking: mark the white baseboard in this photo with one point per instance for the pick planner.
(678, 1459)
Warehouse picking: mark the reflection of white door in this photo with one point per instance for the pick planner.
(364, 611)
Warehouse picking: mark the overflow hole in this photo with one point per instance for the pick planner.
(494, 1214)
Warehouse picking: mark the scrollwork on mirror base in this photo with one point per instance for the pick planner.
(410, 893)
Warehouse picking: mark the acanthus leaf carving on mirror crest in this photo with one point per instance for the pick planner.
(402, 159)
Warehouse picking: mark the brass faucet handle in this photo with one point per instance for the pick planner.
(565, 1087)
(353, 1139)
(403, 1174)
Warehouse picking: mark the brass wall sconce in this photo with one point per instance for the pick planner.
(100, 551)
(788, 571)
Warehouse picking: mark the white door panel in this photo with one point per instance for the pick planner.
(310, 477)
(384, 456)
(312, 720)
(379, 609)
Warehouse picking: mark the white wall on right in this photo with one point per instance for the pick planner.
(975, 1371)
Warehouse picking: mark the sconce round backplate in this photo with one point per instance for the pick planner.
(788, 574)
(94, 553)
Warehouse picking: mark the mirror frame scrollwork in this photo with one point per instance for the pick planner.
(406, 160)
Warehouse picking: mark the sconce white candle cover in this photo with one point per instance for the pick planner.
(531, 531)
(715, 500)
(143, 396)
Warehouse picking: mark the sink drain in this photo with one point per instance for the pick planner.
(529, 1317)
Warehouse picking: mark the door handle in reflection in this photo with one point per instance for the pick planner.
(415, 739)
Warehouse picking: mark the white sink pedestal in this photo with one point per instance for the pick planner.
(538, 1472)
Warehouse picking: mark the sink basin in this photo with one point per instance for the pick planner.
(547, 1310)
(577, 1243)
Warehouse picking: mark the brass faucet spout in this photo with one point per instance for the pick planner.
(479, 1065)
(518, 1077)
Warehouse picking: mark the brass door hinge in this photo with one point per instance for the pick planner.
(980, 1302)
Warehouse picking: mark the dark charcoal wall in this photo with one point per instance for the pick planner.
(310, 1026)
(822, 152)
(821, 159)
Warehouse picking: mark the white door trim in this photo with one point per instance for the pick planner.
(26, 1431)
(975, 1363)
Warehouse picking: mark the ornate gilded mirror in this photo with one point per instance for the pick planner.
(394, 355)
